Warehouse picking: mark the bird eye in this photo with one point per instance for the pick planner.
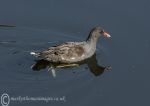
(102, 31)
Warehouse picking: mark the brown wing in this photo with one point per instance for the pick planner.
(63, 53)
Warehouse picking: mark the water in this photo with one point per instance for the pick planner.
(40, 25)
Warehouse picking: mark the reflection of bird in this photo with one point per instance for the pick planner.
(71, 52)
(91, 63)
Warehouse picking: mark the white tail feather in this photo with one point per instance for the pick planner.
(32, 53)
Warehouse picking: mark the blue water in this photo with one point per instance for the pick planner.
(41, 24)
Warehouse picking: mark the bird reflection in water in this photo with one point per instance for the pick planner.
(91, 63)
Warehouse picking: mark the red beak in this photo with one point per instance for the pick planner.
(106, 35)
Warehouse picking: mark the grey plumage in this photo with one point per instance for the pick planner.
(70, 52)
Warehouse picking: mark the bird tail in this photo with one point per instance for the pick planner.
(36, 54)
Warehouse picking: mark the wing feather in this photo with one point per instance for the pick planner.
(64, 52)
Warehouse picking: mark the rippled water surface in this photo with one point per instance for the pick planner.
(37, 25)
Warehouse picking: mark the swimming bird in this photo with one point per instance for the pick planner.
(71, 52)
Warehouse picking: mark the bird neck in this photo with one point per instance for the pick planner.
(90, 46)
(91, 40)
(92, 43)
